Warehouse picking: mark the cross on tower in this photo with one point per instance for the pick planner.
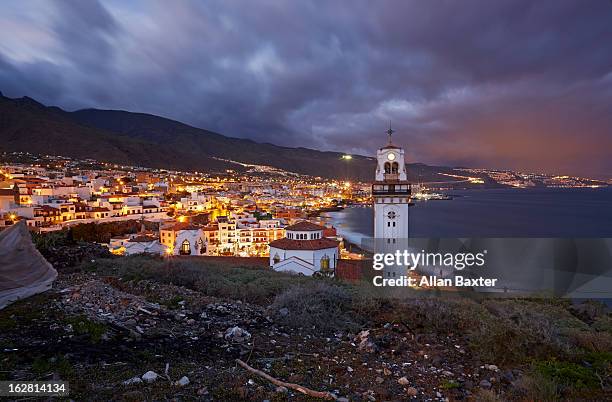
(390, 132)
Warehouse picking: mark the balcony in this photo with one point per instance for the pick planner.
(391, 189)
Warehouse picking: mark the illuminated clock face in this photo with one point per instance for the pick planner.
(391, 157)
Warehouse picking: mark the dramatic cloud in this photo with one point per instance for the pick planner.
(507, 84)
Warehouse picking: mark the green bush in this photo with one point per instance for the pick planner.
(450, 384)
(568, 375)
(84, 326)
(44, 242)
(102, 232)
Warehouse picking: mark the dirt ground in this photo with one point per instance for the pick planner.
(143, 328)
(99, 332)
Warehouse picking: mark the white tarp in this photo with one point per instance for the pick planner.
(23, 270)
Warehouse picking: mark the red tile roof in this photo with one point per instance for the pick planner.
(305, 226)
(181, 226)
(289, 244)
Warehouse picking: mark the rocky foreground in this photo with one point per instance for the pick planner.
(116, 337)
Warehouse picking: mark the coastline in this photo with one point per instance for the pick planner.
(532, 213)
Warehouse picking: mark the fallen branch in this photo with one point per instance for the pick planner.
(296, 387)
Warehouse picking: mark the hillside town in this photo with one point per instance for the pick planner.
(180, 213)
(230, 213)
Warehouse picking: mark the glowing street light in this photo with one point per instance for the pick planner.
(347, 157)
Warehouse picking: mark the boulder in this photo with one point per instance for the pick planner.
(150, 376)
(237, 335)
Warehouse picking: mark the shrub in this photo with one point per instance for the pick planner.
(603, 324)
(592, 341)
(249, 284)
(102, 232)
(486, 395)
(84, 326)
(450, 384)
(568, 375)
(45, 242)
(321, 305)
(536, 387)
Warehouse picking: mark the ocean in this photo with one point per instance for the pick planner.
(540, 212)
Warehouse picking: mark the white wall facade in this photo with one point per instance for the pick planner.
(312, 257)
(196, 240)
(391, 197)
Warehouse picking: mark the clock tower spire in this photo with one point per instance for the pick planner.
(391, 193)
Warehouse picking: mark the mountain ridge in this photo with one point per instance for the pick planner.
(148, 140)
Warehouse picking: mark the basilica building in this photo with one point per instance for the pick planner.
(304, 250)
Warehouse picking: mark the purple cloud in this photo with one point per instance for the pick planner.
(512, 84)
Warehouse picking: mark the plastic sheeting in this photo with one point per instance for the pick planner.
(23, 270)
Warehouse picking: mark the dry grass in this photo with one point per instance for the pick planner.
(537, 387)
(252, 284)
(503, 331)
(486, 395)
(322, 306)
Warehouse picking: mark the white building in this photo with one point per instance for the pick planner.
(135, 244)
(7, 199)
(304, 250)
(391, 193)
(183, 239)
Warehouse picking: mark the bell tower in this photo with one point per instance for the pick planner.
(391, 195)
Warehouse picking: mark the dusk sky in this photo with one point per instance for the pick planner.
(514, 84)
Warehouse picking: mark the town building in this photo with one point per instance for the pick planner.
(138, 243)
(391, 192)
(8, 199)
(183, 238)
(304, 250)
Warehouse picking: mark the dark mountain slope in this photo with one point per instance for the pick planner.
(153, 141)
(28, 126)
(195, 140)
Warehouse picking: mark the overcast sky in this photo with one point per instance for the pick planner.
(503, 84)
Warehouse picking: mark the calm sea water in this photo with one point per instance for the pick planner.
(496, 213)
